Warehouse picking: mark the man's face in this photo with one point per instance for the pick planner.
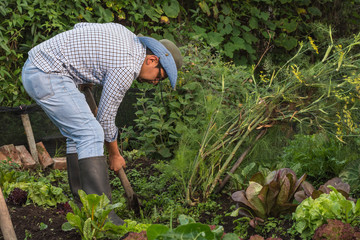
(152, 71)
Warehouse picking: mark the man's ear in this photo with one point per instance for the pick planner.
(152, 59)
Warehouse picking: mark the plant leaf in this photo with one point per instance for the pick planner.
(252, 193)
(284, 191)
(171, 8)
(274, 189)
(296, 186)
(195, 231)
(156, 230)
(308, 188)
(259, 178)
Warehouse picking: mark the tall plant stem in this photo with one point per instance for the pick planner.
(234, 131)
(232, 154)
(239, 161)
(199, 159)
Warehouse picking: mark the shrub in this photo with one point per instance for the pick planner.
(317, 155)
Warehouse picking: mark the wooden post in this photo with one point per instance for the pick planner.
(6, 225)
(30, 137)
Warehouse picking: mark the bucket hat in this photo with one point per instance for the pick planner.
(169, 55)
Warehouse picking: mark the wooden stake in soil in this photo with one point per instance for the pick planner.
(30, 137)
(7, 228)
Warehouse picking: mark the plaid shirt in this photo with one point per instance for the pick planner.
(106, 54)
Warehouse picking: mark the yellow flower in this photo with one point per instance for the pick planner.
(263, 77)
(301, 11)
(313, 45)
(297, 73)
(164, 19)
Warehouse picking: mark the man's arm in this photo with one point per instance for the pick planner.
(117, 82)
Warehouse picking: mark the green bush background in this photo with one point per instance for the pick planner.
(241, 31)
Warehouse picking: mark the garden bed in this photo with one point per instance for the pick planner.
(35, 222)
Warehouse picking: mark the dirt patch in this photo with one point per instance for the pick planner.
(33, 222)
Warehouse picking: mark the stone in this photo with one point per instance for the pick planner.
(59, 163)
(44, 157)
(2, 157)
(11, 152)
(26, 159)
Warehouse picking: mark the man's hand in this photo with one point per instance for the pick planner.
(116, 163)
(116, 160)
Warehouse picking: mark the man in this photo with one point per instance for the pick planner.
(106, 54)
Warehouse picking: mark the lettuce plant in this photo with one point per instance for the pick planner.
(91, 221)
(40, 193)
(269, 195)
(336, 230)
(17, 197)
(312, 213)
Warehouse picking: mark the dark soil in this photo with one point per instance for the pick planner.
(27, 222)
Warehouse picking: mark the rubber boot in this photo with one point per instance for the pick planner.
(95, 180)
(72, 165)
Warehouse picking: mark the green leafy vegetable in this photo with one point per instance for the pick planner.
(40, 193)
(312, 213)
(91, 221)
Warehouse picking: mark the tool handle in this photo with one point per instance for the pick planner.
(126, 184)
(6, 225)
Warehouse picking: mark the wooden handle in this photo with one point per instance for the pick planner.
(6, 225)
(90, 99)
(126, 184)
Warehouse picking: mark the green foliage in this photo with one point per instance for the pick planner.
(226, 122)
(351, 175)
(39, 188)
(312, 213)
(40, 193)
(9, 173)
(241, 30)
(91, 221)
(269, 196)
(188, 229)
(320, 156)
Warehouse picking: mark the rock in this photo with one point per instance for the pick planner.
(59, 163)
(44, 157)
(27, 160)
(2, 157)
(11, 152)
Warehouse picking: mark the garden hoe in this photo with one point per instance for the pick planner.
(132, 198)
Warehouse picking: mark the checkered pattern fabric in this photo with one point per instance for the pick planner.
(107, 54)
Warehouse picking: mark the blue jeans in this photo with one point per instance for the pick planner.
(66, 106)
